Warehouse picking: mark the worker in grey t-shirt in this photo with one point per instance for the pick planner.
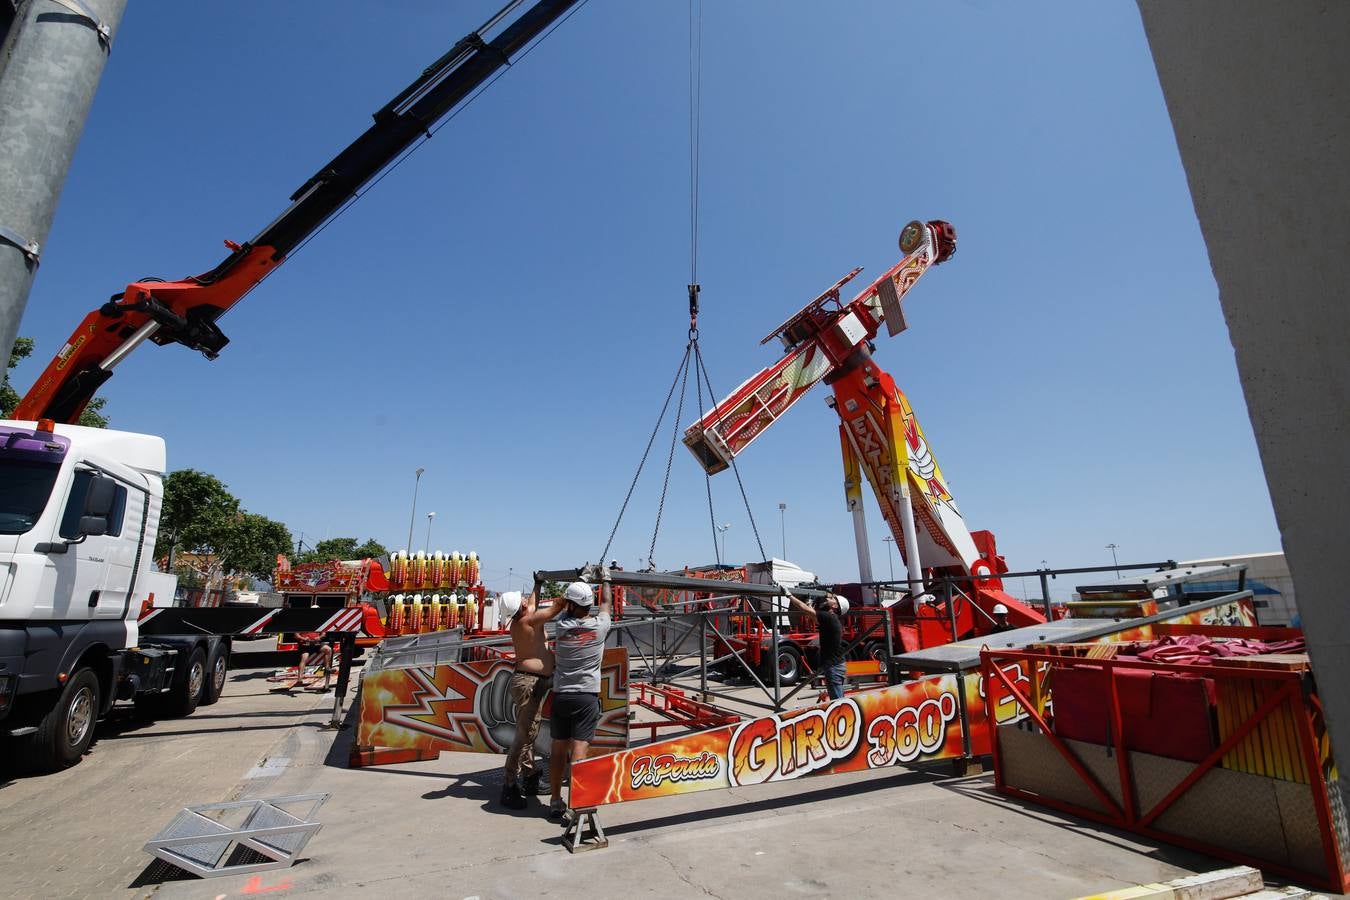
(578, 648)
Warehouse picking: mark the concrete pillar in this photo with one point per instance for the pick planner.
(50, 64)
(1259, 95)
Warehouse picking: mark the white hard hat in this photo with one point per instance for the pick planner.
(1000, 609)
(510, 605)
(843, 604)
(580, 593)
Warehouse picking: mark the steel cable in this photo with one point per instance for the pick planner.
(684, 365)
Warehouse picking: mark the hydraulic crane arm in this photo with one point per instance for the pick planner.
(185, 312)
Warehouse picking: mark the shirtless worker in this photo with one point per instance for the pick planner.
(579, 646)
(529, 684)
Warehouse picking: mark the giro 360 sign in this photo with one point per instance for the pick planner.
(907, 723)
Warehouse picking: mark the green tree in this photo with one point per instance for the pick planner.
(249, 544)
(342, 548)
(9, 398)
(371, 549)
(550, 590)
(196, 514)
(92, 416)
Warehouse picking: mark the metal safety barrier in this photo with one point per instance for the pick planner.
(238, 837)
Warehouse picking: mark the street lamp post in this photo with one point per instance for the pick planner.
(412, 516)
(782, 522)
(1114, 562)
(890, 561)
(723, 529)
(427, 548)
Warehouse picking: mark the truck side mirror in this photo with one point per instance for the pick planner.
(98, 505)
(99, 498)
(93, 525)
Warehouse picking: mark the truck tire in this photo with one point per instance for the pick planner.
(789, 665)
(218, 668)
(188, 685)
(67, 729)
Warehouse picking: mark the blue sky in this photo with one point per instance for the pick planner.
(508, 307)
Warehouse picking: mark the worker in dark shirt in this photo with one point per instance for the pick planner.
(1001, 622)
(826, 612)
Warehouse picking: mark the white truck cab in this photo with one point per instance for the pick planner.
(79, 512)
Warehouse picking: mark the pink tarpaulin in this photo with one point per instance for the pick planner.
(1194, 649)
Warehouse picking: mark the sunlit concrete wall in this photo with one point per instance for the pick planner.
(1259, 95)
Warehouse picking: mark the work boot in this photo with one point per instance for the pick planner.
(512, 798)
(557, 809)
(531, 785)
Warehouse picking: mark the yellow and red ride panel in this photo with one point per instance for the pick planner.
(421, 712)
(916, 721)
(1240, 612)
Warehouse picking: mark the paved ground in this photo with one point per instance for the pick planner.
(80, 832)
(434, 829)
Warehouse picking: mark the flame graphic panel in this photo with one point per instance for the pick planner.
(420, 712)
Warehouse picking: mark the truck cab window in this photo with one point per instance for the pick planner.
(24, 489)
(70, 520)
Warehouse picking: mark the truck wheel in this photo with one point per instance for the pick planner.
(216, 673)
(188, 685)
(66, 731)
(789, 665)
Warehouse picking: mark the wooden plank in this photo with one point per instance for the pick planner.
(1285, 662)
(1245, 707)
(1225, 715)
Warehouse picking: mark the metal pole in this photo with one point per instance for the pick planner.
(346, 649)
(860, 539)
(427, 548)
(965, 718)
(890, 647)
(777, 688)
(703, 656)
(913, 565)
(782, 522)
(1045, 595)
(412, 516)
(50, 65)
(951, 607)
